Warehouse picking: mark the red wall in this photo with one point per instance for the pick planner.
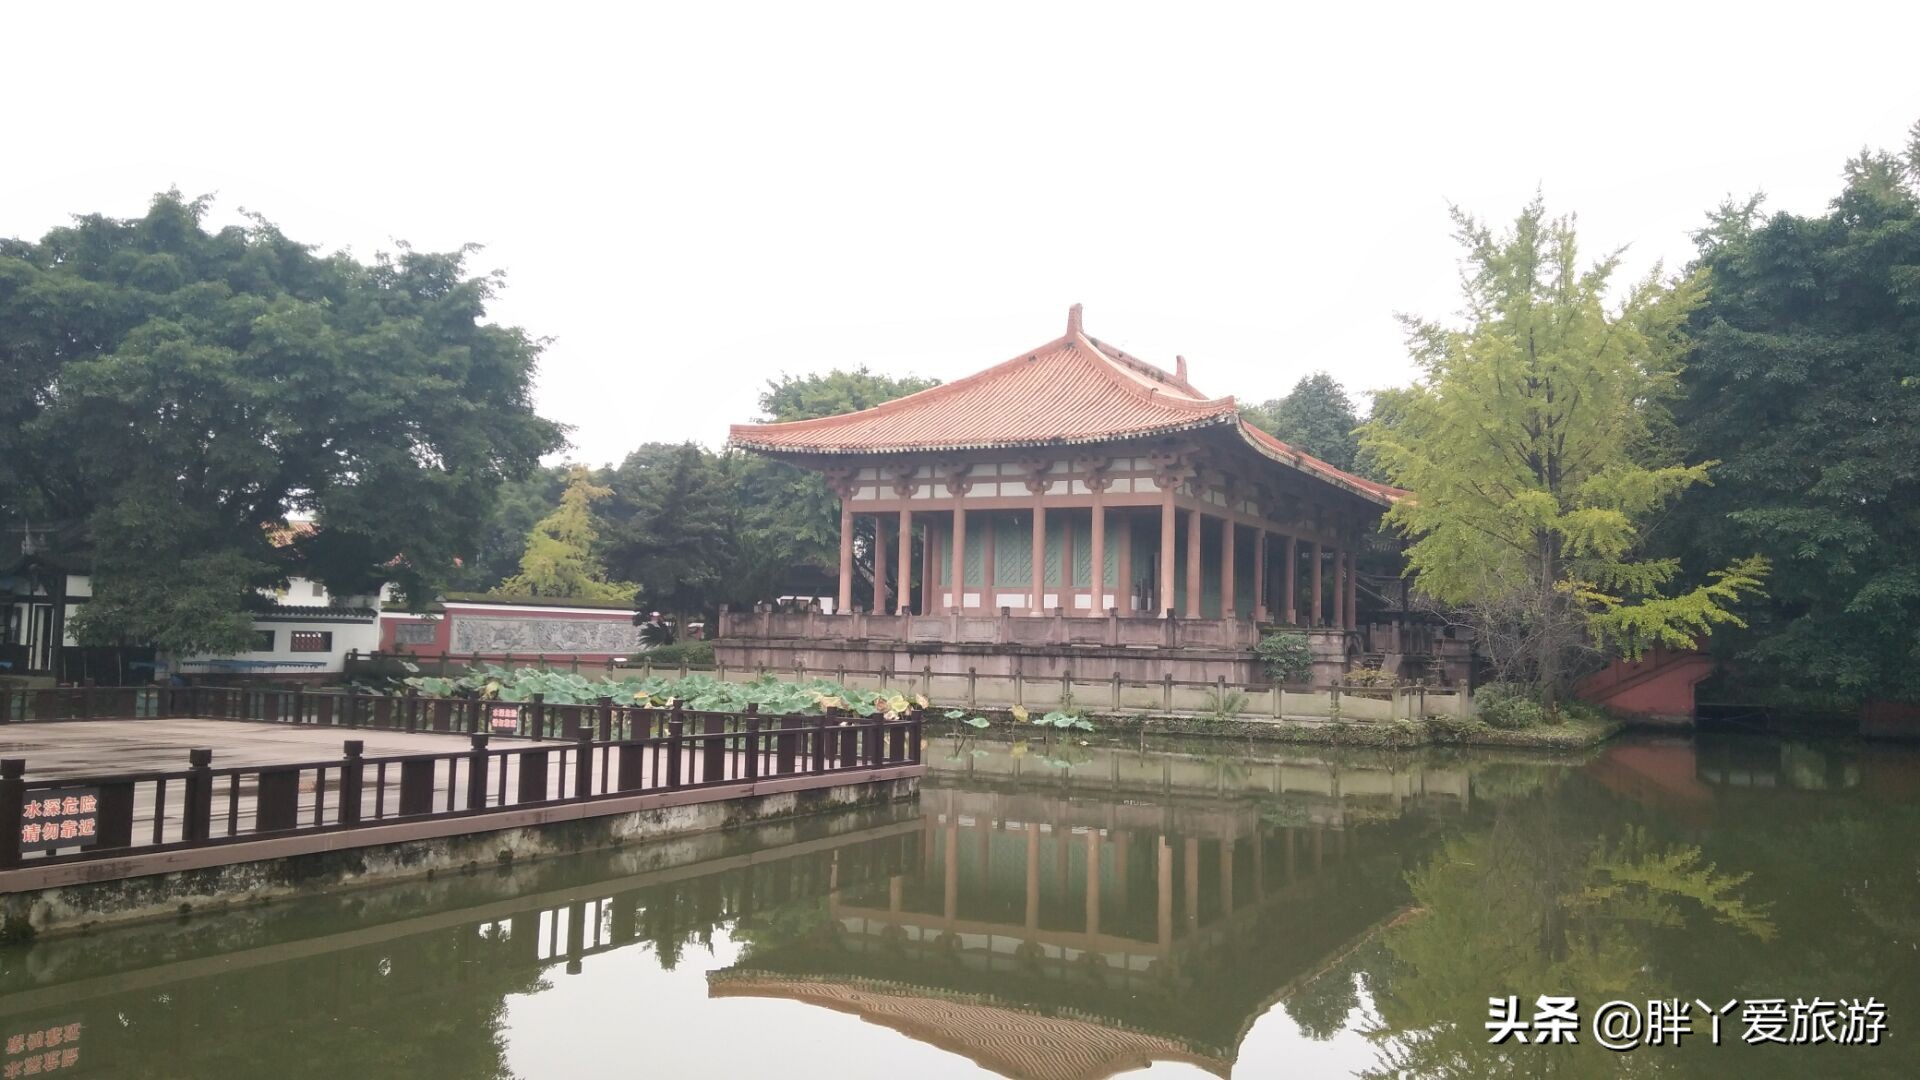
(1659, 685)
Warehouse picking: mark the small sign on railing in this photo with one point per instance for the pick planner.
(60, 817)
(504, 718)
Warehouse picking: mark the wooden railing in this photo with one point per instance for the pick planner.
(570, 754)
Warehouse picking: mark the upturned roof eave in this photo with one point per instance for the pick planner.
(1380, 494)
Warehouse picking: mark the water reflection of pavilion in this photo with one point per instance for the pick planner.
(1144, 908)
(1064, 929)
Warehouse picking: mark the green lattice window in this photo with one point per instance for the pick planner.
(1012, 550)
(1056, 545)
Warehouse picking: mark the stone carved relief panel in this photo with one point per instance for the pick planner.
(532, 635)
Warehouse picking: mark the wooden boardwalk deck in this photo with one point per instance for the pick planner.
(124, 782)
(80, 750)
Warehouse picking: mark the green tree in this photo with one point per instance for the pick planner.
(1534, 445)
(1387, 407)
(795, 517)
(559, 557)
(809, 397)
(672, 528)
(1801, 384)
(1316, 416)
(179, 393)
(503, 539)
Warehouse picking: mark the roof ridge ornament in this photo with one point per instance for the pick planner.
(1180, 368)
(1073, 321)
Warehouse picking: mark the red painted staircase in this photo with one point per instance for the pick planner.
(1657, 687)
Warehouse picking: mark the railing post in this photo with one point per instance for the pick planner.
(583, 765)
(351, 779)
(477, 771)
(914, 736)
(606, 719)
(676, 730)
(13, 800)
(537, 715)
(197, 812)
(820, 742)
(353, 705)
(752, 748)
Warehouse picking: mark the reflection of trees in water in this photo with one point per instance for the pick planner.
(429, 1005)
(1548, 899)
(786, 924)
(432, 1003)
(1844, 873)
(1321, 1006)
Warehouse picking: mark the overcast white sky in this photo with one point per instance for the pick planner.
(692, 198)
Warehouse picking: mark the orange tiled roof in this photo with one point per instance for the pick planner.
(1007, 1040)
(1305, 462)
(1071, 390)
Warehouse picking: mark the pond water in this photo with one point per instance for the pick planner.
(1083, 911)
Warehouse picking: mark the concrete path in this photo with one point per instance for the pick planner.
(83, 749)
(90, 747)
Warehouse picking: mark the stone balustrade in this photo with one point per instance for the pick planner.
(1004, 628)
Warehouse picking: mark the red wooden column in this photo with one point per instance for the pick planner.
(1037, 585)
(903, 603)
(845, 602)
(879, 566)
(1288, 602)
(1194, 556)
(1260, 573)
(1163, 589)
(959, 555)
(1315, 611)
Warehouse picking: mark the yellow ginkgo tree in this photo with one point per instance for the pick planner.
(559, 559)
(1536, 447)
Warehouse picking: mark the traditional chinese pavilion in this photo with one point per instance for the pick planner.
(1071, 508)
